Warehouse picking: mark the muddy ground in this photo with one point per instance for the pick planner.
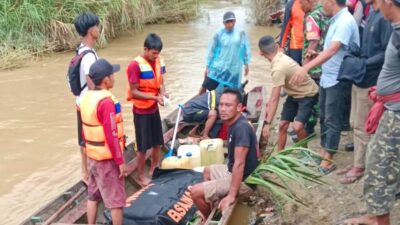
(328, 204)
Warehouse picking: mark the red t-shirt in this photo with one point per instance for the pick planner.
(106, 116)
(133, 78)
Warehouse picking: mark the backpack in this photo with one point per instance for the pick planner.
(73, 76)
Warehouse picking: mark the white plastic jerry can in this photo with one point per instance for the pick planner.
(174, 162)
(192, 152)
(212, 151)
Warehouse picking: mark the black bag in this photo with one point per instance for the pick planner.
(166, 201)
(73, 75)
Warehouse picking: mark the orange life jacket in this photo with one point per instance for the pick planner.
(96, 144)
(294, 27)
(149, 82)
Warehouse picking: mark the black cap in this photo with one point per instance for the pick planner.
(229, 16)
(102, 68)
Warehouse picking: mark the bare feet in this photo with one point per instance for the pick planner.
(365, 219)
(143, 181)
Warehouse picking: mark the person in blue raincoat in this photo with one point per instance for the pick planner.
(229, 51)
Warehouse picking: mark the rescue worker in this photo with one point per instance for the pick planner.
(146, 90)
(315, 28)
(104, 139)
(291, 36)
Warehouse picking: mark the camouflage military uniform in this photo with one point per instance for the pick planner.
(382, 174)
(315, 28)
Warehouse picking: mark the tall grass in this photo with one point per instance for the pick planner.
(262, 8)
(39, 26)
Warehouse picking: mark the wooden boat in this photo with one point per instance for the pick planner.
(70, 206)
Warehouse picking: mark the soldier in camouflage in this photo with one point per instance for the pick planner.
(382, 172)
(315, 27)
(382, 181)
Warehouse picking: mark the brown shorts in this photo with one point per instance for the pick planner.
(220, 183)
(105, 184)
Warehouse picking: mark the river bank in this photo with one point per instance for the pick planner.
(328, 204)
(34, 28)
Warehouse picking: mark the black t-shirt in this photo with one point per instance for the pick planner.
(241, 134)
(201, 102)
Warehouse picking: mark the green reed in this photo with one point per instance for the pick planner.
(39, 26)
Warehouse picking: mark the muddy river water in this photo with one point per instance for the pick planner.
(39, 155)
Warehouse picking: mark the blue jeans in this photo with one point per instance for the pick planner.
(332, 103)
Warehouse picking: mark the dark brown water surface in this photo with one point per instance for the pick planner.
(39, 155)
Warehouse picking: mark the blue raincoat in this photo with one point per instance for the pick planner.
(227, 54)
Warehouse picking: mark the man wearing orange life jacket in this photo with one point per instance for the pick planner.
(146, 90)
(104, 139)
(291, 37)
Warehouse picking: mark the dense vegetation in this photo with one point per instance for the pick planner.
(261, 9)
(34, 27)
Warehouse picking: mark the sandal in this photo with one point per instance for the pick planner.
(309, 159)
(327, 170)
(344, 170)
(346, 179)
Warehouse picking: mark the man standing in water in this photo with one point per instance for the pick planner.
(229, 51)
(104, 138)
(146, 90)
(382, 172)
(88, 27)
(224, 182)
